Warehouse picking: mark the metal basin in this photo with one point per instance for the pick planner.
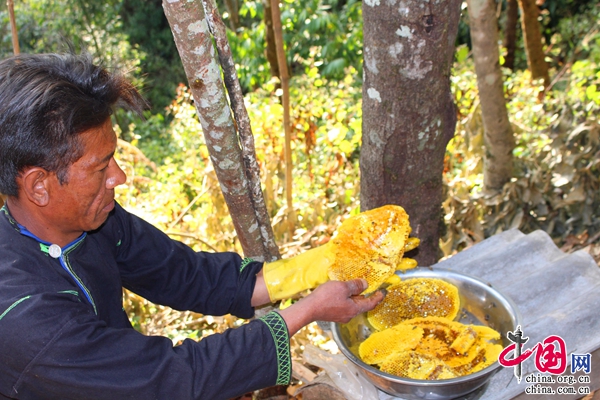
(481, 304)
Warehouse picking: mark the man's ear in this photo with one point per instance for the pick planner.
(35, 184)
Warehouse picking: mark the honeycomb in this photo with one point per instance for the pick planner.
(431, 348)
(380, 345)
(418, 297)
(415, 365)
(479, 356)
(464, 340)
(371, 246)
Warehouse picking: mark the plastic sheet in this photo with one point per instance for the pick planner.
(342, 372)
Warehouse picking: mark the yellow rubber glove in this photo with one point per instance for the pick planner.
(286, 278)
(369, 246)
(406, 263)
(411, 243)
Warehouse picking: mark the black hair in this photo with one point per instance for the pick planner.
(46, 102)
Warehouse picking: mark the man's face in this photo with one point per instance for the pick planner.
(85, 200)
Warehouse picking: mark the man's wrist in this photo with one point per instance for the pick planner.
(298, 315)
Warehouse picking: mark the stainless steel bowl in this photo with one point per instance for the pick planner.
(481, 304)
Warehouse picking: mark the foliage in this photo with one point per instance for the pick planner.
(560, 15)
(126, 34)
(566, 44)
(563, 24)
(326, 34)
(557, 167)
(326, 130)
(147, 29)
(79, 26)
(326, 136)
(54, 26)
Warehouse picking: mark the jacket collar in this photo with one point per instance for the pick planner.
(44, 245)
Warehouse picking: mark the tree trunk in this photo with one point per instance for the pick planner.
(510, 32)
(498, 137)
(408, 111)
(233, 10)
(195, 46)
(271, 49)
(532, 37)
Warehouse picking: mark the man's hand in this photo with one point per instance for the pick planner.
(333, 301)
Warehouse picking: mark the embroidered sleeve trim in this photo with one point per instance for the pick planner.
(245, 263)
(281, 338)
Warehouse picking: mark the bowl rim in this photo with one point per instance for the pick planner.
(420, 272)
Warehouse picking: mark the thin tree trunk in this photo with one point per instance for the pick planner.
(510, 32)
(498, 137)
(13, 26)
(236, 98)
(233, 10)
(408, 111)
(271, 49)
(89, 26)
(532, 37)
(285, 86)
(195, 46)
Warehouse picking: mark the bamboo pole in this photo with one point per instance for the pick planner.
(13, 26)
(285, 86)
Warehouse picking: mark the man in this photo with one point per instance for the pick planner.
(67, 250)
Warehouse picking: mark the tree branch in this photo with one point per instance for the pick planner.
(244, 128)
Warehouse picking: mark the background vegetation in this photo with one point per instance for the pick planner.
(171, 182)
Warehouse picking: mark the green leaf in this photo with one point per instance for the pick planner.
(462, 52)
(592, 93)
(335, 67)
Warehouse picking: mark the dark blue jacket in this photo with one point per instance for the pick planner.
(64, 333)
